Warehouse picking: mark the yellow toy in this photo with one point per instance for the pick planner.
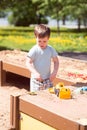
(52, 90)
(61, 91)
(56, 89)
(65, 93)
(59, 85)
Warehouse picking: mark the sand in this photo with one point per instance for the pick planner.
(10, 87)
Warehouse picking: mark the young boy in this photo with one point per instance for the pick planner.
(39, 60)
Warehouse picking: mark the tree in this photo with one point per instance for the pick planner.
(54, 10)
(77, 11)
(25, 12)
(61, 9)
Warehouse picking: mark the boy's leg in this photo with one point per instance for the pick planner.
(33, 86)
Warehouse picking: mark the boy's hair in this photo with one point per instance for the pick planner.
(42, 31)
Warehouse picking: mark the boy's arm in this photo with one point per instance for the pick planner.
(55, 68)
(31, 68)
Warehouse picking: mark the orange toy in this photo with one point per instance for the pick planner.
(65, 93)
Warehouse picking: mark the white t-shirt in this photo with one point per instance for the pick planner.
(42, 59)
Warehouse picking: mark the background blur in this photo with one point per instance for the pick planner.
(51, 12)
(67, 19)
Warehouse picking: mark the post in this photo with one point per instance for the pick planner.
(1, 73)
(14, 112)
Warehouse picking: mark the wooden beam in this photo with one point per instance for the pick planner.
(14, 112)
(47, 117)
(20, 70)
(1, 73)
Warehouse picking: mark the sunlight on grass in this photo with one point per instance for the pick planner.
(24, 40)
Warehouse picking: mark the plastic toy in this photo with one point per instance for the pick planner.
(80, 90)
(59, 85)
(56, 89)
(61, 91)
(65, 93)
(52, 90)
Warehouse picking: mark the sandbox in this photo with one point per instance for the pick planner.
(71, 71)
(45, 110)
(14, 62)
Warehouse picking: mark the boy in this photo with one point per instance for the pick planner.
(39, 60)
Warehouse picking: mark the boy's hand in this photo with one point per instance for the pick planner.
(38, 77)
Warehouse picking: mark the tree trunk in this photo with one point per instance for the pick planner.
(79, 24)
(58, 28)
(85, 22)
(64, 20)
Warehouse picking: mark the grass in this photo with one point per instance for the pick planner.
(23, 38)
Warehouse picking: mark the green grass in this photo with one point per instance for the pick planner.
(23, 38)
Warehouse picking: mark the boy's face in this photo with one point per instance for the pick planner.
(42, 42)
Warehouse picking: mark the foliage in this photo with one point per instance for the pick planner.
(23, 38)
(63, 8)
(24, 12)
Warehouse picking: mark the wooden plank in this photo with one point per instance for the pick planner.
(83, 127)
(47, 117)
(20, 70)
(14, 112)
(30, 107)
(16, 69)
(66, 82)
(11, 110)
(2, 74)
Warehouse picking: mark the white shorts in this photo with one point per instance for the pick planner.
(36, 85)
